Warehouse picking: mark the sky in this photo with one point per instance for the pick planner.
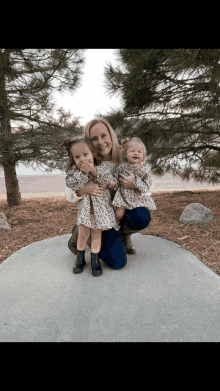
(89, 99)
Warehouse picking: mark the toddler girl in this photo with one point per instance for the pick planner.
(134, 155)
(94, 213)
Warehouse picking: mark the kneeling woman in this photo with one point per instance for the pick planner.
(115, 244)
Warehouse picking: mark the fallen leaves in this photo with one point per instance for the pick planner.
(35, 220)
(201, 241)
(211, 246)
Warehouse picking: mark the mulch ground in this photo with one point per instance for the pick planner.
(41, 218)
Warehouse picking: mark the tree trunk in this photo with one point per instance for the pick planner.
(9, 160)
(11, 182)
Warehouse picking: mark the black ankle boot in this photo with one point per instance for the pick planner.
(96, 265)
(80, 262)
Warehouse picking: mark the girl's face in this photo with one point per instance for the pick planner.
(134, 153)
(101, 139)
(81, 153)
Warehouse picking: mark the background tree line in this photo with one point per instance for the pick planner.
(170, 100)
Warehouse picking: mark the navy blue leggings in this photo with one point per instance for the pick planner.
(112, 250)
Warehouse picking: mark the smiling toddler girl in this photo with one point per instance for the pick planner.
(134, 154)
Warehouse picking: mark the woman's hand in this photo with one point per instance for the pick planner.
(92, 189)
(128, 181)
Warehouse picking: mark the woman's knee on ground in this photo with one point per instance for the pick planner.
(137, 218)
(112, 250)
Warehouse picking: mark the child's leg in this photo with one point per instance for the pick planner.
(83, 235)
(119, 213)
(96, 237)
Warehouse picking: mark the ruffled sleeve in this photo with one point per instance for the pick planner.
(145, 183)
(75, 179)
(105, 178)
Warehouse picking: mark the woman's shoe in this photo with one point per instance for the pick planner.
(126, 239)
(125, 234)
(96, 265)
(72, 243)
(80, 262)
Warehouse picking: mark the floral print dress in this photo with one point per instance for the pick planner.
(129, 198)
(94, 211)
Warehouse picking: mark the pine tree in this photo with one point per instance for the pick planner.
(171, 101)
(28, 132)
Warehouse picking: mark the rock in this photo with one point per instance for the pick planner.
(4, 226)
(196, 213)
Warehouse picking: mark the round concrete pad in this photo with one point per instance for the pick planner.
(164, 293)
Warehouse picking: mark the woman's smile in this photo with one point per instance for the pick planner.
(103, 147)
(101, 140)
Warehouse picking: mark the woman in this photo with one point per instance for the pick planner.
(112, 251)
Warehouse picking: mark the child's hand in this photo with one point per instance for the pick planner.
(85, 168)
(93, 169)
(112, 185)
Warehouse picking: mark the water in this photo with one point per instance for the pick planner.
(56, 183)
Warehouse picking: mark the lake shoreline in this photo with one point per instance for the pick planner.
(53, 186)
(61, 195)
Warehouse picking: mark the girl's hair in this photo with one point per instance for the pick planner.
(128, 139)
(68, 143)
(115, 152)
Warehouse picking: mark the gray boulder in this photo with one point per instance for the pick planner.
(4, 226)
(196, 213)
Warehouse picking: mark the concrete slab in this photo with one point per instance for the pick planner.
(164, 293)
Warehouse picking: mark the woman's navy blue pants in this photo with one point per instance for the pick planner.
(112, 250)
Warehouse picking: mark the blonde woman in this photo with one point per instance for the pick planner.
(115, 244)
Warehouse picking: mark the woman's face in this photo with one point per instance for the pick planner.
(101, 139)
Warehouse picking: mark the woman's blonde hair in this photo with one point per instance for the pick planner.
(68, 143)
(127, 140)
(115, 152)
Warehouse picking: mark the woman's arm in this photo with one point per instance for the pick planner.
(92, 189)
(80, 192)
(80, 185)
(71, 195)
